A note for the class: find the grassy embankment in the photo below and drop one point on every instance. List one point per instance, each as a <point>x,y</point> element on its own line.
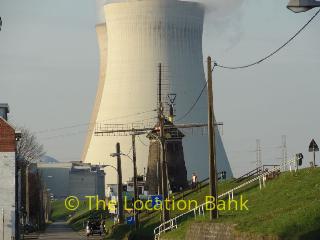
<point>150,220</point>
<point>289,207</point>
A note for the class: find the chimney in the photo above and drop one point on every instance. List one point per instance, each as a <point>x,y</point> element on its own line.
<point>4,110</point>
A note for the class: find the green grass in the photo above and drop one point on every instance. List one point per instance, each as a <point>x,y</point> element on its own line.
<point>150,220</point>
<point>289,207</point>
<point>60,212</point>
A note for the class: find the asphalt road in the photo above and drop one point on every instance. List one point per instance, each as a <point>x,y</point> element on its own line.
<point>61,231</point>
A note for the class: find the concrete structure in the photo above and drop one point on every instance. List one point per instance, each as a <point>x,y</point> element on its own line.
<point>137,36</point>
<point>72,179</point>
<point>7,173</point>
<point>86,181</point>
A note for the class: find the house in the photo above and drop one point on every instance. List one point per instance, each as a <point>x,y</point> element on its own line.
<point>8,196</point>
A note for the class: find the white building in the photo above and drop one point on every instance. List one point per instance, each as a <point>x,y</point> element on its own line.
<point>7,173</point>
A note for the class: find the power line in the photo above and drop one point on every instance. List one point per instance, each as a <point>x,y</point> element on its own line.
<point>90,130</point>
<point>85,124</point>
<point>63,135</point>
<point>194,104</point>
<point>274,52</point>
<point>143,143</point>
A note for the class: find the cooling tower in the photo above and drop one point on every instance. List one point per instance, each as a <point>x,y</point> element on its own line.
<point>140,35</point>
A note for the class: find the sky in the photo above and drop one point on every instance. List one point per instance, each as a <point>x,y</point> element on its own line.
<point>49,75</point>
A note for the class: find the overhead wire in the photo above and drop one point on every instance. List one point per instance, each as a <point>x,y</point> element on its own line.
<point>90,130</point>
<point>272,53</point>
<point>250,65</point>
<point>143,143</point>
<point>194,104</point>
<point>85,124</point>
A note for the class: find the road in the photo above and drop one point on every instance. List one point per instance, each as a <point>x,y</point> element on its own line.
<point>59,231</point>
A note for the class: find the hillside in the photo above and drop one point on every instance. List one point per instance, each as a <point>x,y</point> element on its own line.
<point>48,159</point>
<point>289,207</point>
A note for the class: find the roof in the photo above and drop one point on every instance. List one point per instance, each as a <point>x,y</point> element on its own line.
<point>9,124</point>
<point>170,133</point>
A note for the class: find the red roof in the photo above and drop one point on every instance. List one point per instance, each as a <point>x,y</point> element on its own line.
<point>7,137</point>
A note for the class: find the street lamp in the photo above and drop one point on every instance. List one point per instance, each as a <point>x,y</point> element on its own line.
<point>120,203</point>
<point>104,166</point>
<point>120,199</point>
<point>135,184</point>
<point>298,6</point>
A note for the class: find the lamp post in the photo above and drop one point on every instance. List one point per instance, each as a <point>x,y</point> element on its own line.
<point>135,185</point>
<point>298,6</point>
<point>111,167</point>
<point>120,199</point>
<point>120,210</point>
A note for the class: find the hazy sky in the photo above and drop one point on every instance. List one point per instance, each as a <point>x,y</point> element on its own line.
<point>49,74</point>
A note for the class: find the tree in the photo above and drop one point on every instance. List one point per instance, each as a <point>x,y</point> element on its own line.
<point>28,151</point>
<point>28,148</point>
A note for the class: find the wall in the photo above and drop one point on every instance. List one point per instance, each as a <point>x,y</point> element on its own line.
<point>219,231</point>
<point>7,182</point>
<point>83,183</point>
<point>7,193</point>
<point>64,179</point>
<point>56,179</point>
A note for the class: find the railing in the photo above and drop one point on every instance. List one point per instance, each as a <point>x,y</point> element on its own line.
<point>254,172</point>
<point>203,183</point>
<point>172,223</point>
<point>180,195</point>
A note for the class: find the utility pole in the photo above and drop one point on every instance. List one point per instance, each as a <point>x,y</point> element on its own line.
<point>284,152</point>
<point>212,145</point>
<point>159,171</point>
<point>165,212</point>
<point>120,199</point>
<point>17,203</point>
<point>135,184</point>
<point>27,192</point>
<point>258,155</point>
<point>2,211</point>
<point>159,164</point>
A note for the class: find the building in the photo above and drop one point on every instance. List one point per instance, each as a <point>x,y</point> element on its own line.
<point>8,195</point>
<point>135,37</point>
<point>72,179</point>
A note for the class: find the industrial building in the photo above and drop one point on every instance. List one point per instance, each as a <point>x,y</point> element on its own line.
<point>72,179</point>
<point>134,38</point>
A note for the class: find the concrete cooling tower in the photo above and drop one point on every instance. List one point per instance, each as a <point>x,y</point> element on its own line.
<point>136,37</point>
